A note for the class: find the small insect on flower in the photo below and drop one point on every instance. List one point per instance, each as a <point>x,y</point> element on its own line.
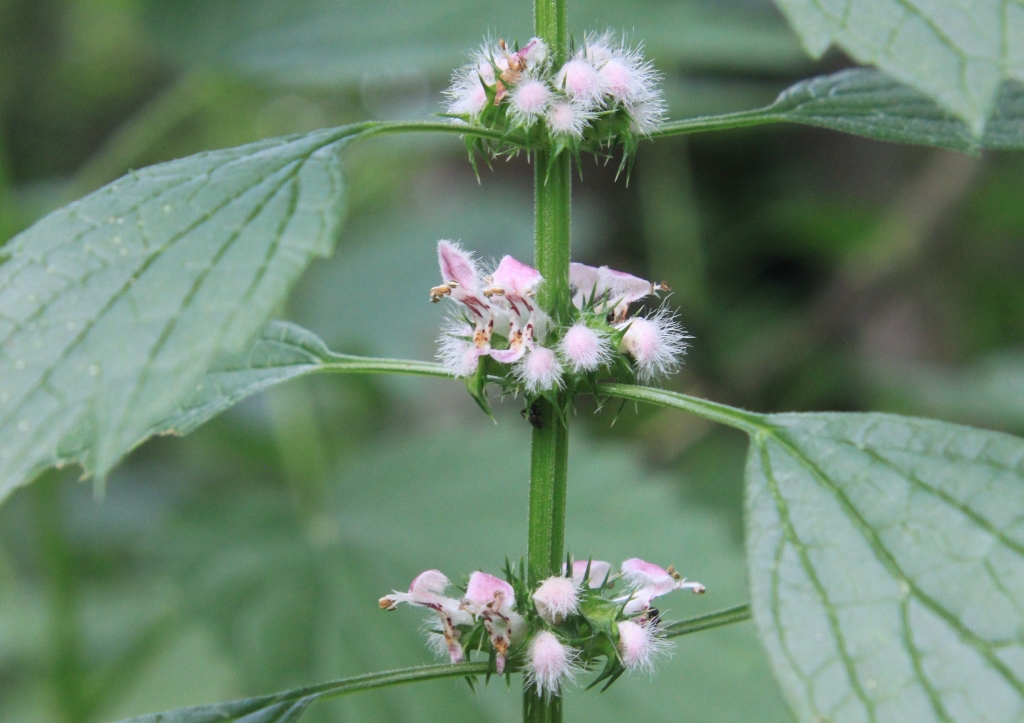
<point>549,663</point>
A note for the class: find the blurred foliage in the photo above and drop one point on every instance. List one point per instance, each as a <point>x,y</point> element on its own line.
<point>816,271</point>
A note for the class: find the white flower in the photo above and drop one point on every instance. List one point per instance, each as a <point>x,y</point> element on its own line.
<point>557,598</point>
<point>626,77</point>
<point>656,343</point>
<point>426,591</point>
<point>548,663</point>
<point>584,349</point>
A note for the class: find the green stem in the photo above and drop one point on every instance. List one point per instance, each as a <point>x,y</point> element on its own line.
<point>749,422</point>
<point>717,619</point>
<point>549,459</point>
<point>66,643</point>
<point>725,121</point>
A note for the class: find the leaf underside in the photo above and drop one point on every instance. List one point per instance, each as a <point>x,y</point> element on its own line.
<point>886,560</point>
<point>958,53</point>
<point>872,104</point>
<point>113,307</point>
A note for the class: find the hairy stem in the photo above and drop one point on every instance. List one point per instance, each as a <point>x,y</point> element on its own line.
<point>549,461</point>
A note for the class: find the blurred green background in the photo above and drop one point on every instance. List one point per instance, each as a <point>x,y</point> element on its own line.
<point>816,271</point>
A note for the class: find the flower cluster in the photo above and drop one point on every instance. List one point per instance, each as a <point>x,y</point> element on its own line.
<point>562,626</point>
<point>499,319</point>
<point>605,93</point>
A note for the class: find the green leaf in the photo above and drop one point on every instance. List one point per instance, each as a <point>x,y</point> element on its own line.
<point>886,561</point>
<point>112,308</point>
<point>958,54</point>
<point>282,352</point>
<point>870,103</point>
<point>330,42</point>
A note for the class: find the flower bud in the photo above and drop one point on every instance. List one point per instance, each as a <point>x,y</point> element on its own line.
<point>556,599</point>
<point>639,645</point>
<point>529,101</point>
<point>580,81</point>
<point>548,662</point>
<point>655,343</point>
<point>583,349</point>
<point>539,370</point>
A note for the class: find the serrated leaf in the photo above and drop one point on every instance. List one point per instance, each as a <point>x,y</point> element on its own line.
<point>112,307</point>
<point>957,53</point>
<point>282,352</point>
<point>886,560</point>
<point>329,42</point>
<point>872,104</point>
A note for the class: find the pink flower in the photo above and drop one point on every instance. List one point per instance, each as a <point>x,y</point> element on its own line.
<point>548,663</point>
<point>461,347</point>
<point>639,645</point>
<point>607,288</point>
<point>649,581</point>
<point>493,599</point>
<point>627,78</point>
<point>513,286</point>
<point>584,349</point>
<point>557,598</point>
<point>528,101</point>
<point>539,370</point>
<point>533,54</point>
<point>655,343</point>
<point>581,82</point>
<point>599,571</point>
<point>426,591</point>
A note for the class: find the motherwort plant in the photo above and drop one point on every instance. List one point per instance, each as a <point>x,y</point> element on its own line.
<point>141,310</point>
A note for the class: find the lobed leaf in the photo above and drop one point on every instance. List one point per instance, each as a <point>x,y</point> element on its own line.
<point>872,104</point>
<point>886,560</point>
<point>957,53</point>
